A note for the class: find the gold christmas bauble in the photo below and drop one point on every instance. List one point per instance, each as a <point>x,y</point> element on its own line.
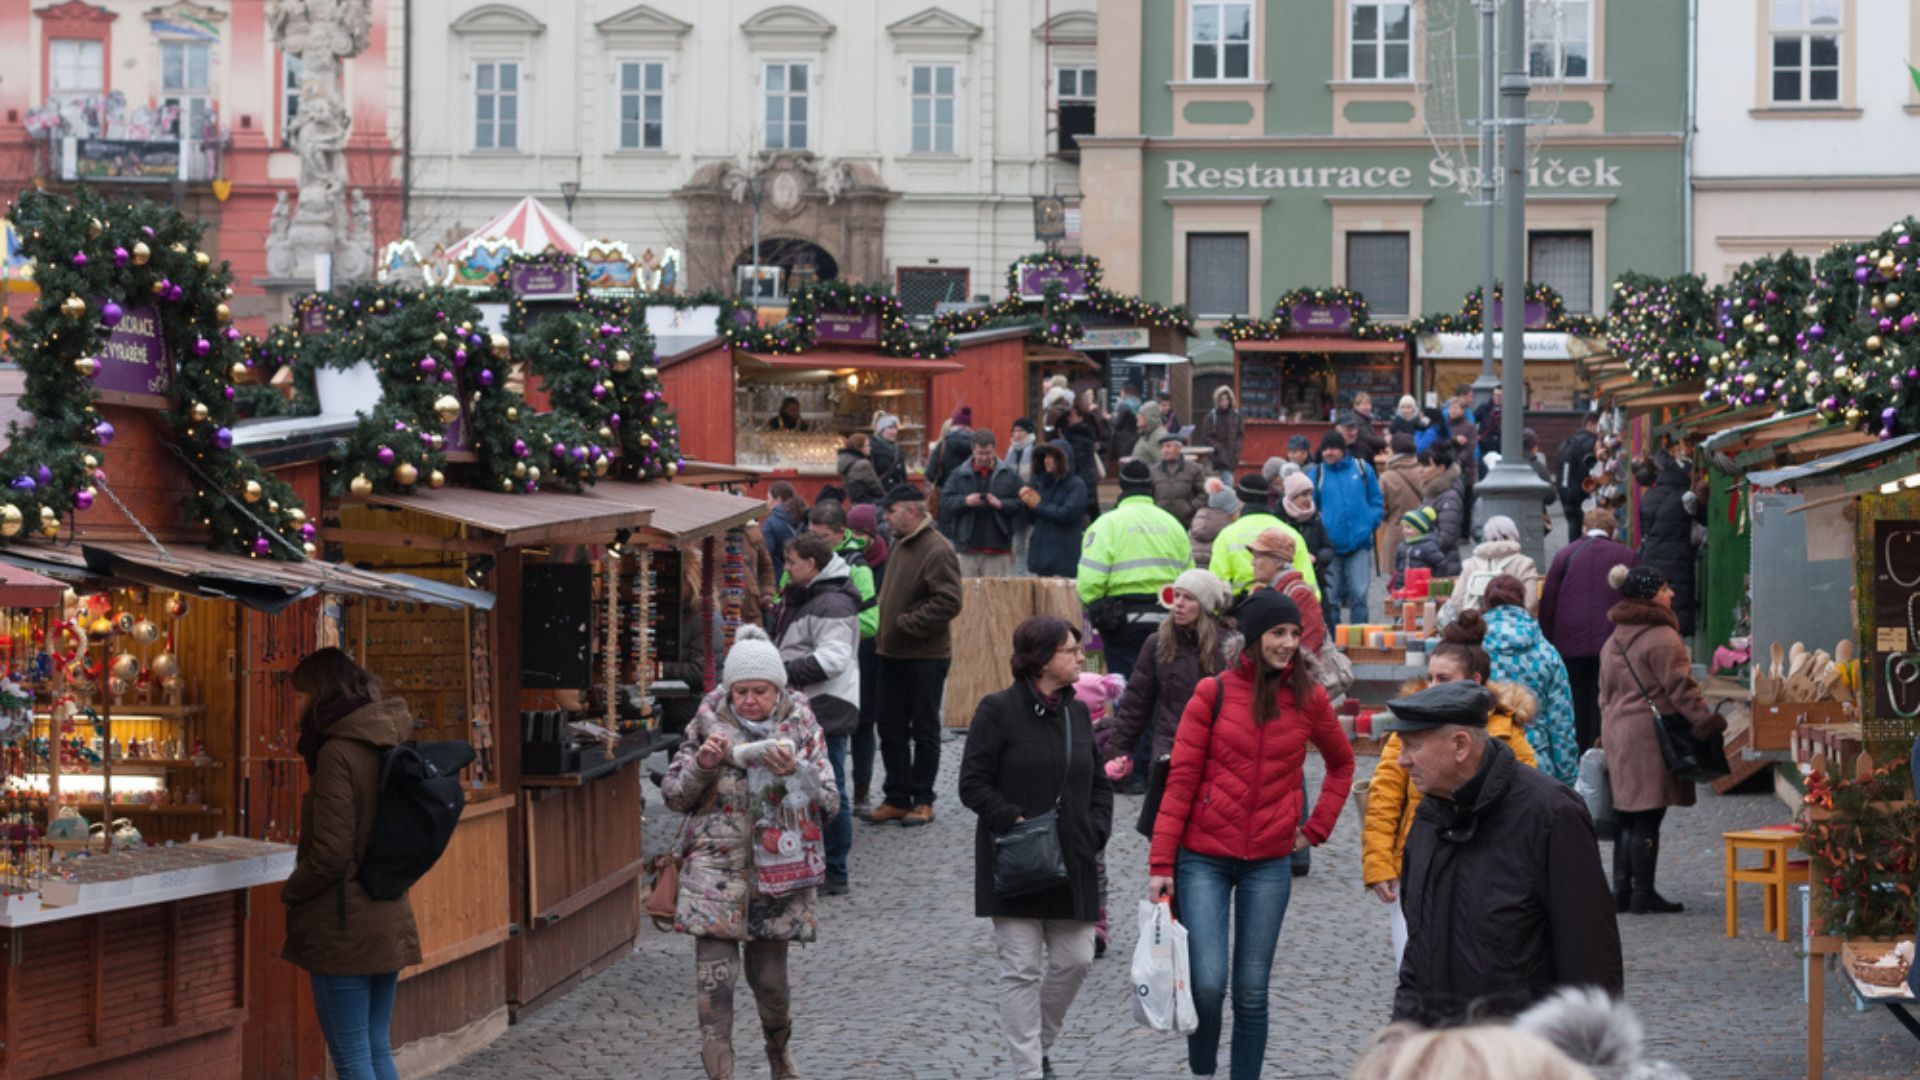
<point>239,372</point>
<point>273,506</point>
<point>1747,320</point>
<point>11,520</point>
<point>86,365</point>
<point>512,414</point>
<point>506,484</point>
<point>297,516</point>
<point>360,486</point>
<point>178,248</point>
<point>73,307</point>
<point>440,340</point>
<point>1873,343</point>
<point>90,461</point>
<point>200,259</point>
<point>501,346</point>
<point>159,287</point>
<point>141,253</point>
<point>649,372</point>
<point>118,687</point>
<point>166,665</point>
<point>622,359</point>
<point>447,408</point>
<point>1773,340</point>
<point>47,515</point>
<point>309,550</point>
<point>198,411</point>
<point>253,491</point>
<point>405,474</point>
<point>100,627</point>
<point>125,666</point>
<point>223,313</point>
<point>533,473</point>
<point>519,469</point>
<point>93,228</point>
<point>436,479</point>
<point>145,632</point>
<point>173,684</point>
<point>605,433</point>
<point>601,464</point>
<point>1886,264</point>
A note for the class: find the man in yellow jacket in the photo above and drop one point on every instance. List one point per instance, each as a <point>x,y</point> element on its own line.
<point>1391,799</point>
<point>1232,562</point>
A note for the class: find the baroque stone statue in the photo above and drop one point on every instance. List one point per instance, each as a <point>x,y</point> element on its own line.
<point>323,34</point>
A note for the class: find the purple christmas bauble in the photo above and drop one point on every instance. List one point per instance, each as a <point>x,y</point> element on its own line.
<point>79,258</point>
<point>120,256</point>
<point>223,438</point>
<point>201,346</point>
<point>1860,275</point>
<point>613,420</point>
<point>1816,331</point>
<point>475,340</point>
<point>532,486</point>
<point>460,357</point>
<point>519,448</point>
<point>43,474</point>
<point>103,432</point>
<point>24,483</point>
<point>384,456</point>
<point>233,333</point>
<point>429,365</point>
<point>228,391</point>
<point>579,453</point>
<point>175,293</point>
<point>559,449</point>
<point>307,530</point>
<point>111,313</point>
<point>486,376</point>
<point>599,390</point>
<point>1906,324</point>
<point>261,546</point>
<point>446,376</point>
<point>147,231</point>
<point>83,500</point>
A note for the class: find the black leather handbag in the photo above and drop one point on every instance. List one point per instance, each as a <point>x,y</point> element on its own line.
<point>1157,772</point>
<point>1028,858</point>
<point>1690,759</point>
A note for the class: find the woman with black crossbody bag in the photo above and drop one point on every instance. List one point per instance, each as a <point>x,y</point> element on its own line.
<point>1032,774</point>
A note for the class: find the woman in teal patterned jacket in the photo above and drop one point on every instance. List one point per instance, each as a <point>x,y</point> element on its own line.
<point>1521,654</point>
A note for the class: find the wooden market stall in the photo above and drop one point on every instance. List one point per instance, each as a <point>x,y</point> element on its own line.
<point>549,892</point>
<point>1295,385</point>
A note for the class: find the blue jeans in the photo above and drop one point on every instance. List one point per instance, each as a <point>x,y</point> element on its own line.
<point>1204,885</point>
<point>1348,578</point>
<point>356,1013</point>
<point>839,833</point>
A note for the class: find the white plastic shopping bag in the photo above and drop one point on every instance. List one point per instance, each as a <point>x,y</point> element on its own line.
<point>1154,985</point>
<point>1594,786</point>
<point>1185,1019</point>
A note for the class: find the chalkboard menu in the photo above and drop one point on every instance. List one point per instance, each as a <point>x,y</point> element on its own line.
<point>1259,391</point>
<point>555,642</point>
<point>1382,379</point>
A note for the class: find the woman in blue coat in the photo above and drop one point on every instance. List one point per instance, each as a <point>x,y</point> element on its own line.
<point>1056,501</point>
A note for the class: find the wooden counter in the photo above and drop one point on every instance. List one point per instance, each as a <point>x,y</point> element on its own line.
<point>583,884</point>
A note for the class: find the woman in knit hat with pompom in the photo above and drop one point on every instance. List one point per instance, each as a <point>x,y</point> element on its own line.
<point>1191,644</point>
<point>1646,650</point>
<point>753,777</point>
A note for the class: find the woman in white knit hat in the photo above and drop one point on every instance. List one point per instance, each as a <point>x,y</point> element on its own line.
<point>752,776</point>
<point>1192,644</point>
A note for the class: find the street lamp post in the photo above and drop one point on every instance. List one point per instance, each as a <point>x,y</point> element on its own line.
<point>569,191</point>
<point>1489,200</point>
<point>1512,487</point>
<point>756,184</point>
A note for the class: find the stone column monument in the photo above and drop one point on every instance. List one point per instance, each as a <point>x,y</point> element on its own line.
<point>323,34</point>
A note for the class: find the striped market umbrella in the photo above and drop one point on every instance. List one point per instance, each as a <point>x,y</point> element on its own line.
<point>531,226</point>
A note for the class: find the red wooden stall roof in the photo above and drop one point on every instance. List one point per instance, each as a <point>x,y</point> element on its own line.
<point>862,360</point>
<point>22,588</point>
<point>1322,344</point>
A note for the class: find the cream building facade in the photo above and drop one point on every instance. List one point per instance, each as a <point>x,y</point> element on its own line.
<point>1808,126</point>
<point>892,139</point>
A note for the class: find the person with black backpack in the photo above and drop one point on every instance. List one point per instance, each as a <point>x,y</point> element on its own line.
<point>351,942</point>
<point>1573,463</point>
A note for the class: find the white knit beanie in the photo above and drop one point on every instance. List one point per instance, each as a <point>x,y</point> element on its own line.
<point>1206,588</point>
<point>753,656</point>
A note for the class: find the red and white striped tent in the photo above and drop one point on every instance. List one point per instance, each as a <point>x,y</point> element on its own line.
<point>531,226</point>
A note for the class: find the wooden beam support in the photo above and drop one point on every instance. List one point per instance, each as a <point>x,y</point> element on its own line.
<point>412,541</point>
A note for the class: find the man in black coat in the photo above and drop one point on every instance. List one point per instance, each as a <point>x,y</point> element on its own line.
<point>1667,515</point>
<point>1502,889</point>
<point>1572,464</point>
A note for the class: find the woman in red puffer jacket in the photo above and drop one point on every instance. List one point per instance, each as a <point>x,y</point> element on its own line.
<point>1229,821</point>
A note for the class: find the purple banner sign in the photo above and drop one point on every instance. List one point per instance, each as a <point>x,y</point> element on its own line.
<point>133,359</point>
<point>1534,313</point>
<point>313,319</point>
<point>846,327</point>
<point>536,281</point>
<point>1035,279</point>
<point>1311,317</point>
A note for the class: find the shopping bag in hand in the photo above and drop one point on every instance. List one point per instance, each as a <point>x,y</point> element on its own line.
<point>1593,785</point>
<point>1185,1019</point>
<point>1154,984</point>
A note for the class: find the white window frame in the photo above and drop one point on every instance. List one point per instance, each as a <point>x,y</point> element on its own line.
<point>1080,73</point>
<point>1246,285</point>
<point>787,95</point>
<point>1378,43</point>
<point>496,95</point>
<point>1804,33</point>
<point>290,68</point>
<point>193,100</point>
<point>1220,46</point>
<point>57,92</point>
<point>1558,42</point>
<point>1575,305</point>
<point>933,97</point>
<point>621,94</point>
<point>1346,240</point>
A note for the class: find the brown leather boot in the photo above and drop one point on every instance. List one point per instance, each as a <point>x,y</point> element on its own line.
<point>779,1057</point>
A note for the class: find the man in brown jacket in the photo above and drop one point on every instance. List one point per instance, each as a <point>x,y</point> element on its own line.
<point>1179,484</point>
<point>919,599</point>
<point>1400,490</point>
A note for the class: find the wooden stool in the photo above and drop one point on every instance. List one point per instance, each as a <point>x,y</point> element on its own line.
<point>1775,873</point>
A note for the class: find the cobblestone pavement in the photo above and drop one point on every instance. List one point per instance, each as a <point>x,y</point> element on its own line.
<point>900,984</point>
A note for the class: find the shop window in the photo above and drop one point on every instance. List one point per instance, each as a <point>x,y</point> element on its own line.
<point>1379,268</point>
<point>77,68</point>
<point>1560,39</point>
<point>496,105</point>
<point>1217,274</point>
<point>291,65</point>
<point>933,108</point>
<point>1563,260</point>
<point>1075,90</point>
<point>788,115</point>
<point>643,105</point>
<point>1380,46</point>
<point>186,87</point>
<point>1220,37</point>
<point>1806,50</point>
<point>923,289</point>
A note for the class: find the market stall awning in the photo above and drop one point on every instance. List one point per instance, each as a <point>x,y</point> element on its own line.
<point>22,588</point>
<point>680,512</point>
<point>1538,345</point>
<point>1821,466</point>
<point>519,520</point>
<point>263,584</point>
<point>530,225</point>
<point>1321,345</point>
<point>829,359</point>
<point>1053,354</point>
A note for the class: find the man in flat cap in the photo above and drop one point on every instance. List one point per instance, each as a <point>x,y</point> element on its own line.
<point>1502,888</point>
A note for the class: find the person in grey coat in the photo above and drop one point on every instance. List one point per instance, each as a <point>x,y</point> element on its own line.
<point>1179,485</point>
<point>817,630</point>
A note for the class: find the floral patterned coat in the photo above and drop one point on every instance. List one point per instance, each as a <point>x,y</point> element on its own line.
<point>718,894</point>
